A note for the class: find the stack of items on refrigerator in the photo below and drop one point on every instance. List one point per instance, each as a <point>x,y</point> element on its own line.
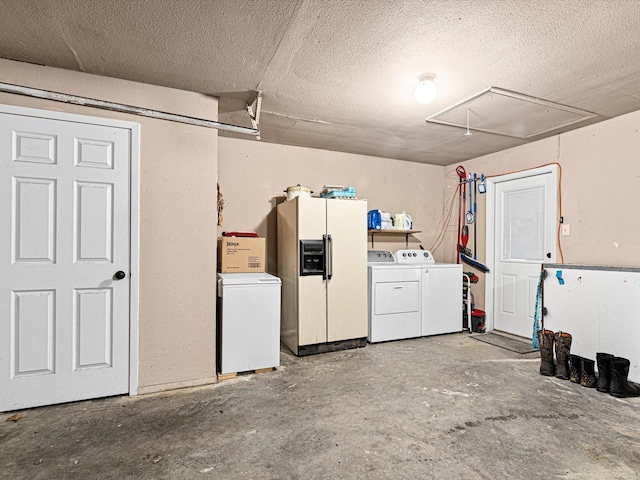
<point>338,191</point>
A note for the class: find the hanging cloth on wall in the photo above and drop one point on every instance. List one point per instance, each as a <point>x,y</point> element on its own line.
<point>220,207</point>
<point>537,315</point>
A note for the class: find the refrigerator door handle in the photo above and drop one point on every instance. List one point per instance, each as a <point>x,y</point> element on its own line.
<point>330,258</point>
<point>324,256</point>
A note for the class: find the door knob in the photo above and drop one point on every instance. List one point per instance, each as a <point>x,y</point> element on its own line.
<point>119,275</point>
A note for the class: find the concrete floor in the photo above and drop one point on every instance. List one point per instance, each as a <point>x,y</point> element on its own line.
<point>447,407</point>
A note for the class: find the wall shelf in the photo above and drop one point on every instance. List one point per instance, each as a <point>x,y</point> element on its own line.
<point>390,232</point>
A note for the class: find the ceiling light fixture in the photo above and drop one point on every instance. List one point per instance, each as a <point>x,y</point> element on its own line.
<point>426,90</point>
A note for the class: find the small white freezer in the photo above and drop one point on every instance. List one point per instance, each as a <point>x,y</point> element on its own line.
<point>248,322</point>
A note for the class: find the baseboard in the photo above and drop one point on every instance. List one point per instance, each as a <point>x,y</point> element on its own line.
<point>175,385</point>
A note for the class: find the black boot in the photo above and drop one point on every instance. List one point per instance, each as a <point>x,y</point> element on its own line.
<point>588,375</point>
<point>563,346</point>
<point>545,339</point>
<point>619,386</point>
<point>575,368</point>
<point>604,371</point>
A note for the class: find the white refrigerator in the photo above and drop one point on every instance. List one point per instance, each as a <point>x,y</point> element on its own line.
<point>322,261</point>
<point>248,322</point>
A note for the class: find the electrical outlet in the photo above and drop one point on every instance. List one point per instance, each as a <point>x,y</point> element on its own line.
<point>566,231</point>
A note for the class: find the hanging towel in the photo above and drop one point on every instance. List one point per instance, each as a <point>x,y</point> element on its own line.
<point>537,316</point>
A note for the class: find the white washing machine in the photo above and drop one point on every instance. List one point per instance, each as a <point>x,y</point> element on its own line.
<point>394,299</point>
<point>441,291</point>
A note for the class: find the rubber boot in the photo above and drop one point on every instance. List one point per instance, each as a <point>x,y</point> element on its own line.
<point>545,340</point>
<point>619,386</point>
<point>588,375</point>
<point>575,368</point>
<point>563,346</point>
<point>604,371</point>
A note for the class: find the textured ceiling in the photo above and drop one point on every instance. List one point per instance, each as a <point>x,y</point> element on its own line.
<point>339,74</point>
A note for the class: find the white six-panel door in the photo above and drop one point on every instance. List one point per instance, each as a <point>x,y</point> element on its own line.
<point>64,218</point>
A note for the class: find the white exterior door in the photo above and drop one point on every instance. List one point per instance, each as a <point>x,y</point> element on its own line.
<point>524,237</point>
<point>64,217</point>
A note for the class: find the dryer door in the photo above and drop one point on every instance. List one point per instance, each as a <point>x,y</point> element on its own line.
<point>395,304</point>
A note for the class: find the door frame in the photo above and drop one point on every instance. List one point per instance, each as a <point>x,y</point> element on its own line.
<point>134,216</point>
<point>490,279</point>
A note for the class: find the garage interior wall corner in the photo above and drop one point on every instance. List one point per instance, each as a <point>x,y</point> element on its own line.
<point>178,175</point>
<point>599,177</point>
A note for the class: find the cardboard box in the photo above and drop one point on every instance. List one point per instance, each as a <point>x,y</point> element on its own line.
<point>241,254</point>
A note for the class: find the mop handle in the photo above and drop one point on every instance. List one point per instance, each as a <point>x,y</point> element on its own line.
<point>475,179</point>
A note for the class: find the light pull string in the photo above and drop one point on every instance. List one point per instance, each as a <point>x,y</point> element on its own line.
<point>468,132</point>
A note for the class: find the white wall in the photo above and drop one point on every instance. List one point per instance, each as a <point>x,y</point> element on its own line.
<point>253,176</point>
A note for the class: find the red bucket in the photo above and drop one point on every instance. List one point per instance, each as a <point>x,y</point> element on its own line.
<point>477,320</point>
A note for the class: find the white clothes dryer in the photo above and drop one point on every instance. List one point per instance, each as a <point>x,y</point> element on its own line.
<point>441,291</point>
